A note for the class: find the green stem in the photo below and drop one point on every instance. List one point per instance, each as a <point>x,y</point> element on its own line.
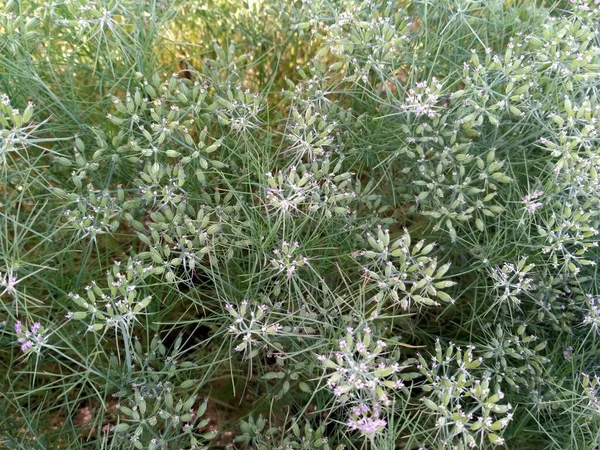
<point>128,359</point>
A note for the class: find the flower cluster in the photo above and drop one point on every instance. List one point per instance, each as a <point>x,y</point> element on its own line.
<point>162,123</point>
<point>312,188</point>
<point>253,325</point>
<point>285,260</point>
<point>118,304</point>
<point>452,181</point>
<point>467,410</point>
<point>292,434</point>
<point>590,385</point>
<point>175,412</point>
<point>423,99</point>
<point>8,281</point>
<point>162,186</point>
<point>240,110</point>
<point>367,39</point>
<point>556,303</point>
<point>592,318</point>
<point>179,239</point>
<point>287,192</point>
<point>31,340</point>
<point>512,281</point>
<point>17,130</point>
<point>403,273</point>
<point>363,369</point>
<point>170,412</point>
<point>587,8</point>
<point>531,205</point>
<point>568,237</point>
<point>366,419</point>
<point>94,214</point>
<point>309,135</point>
<point>516,358</point>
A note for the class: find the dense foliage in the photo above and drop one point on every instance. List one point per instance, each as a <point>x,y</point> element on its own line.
<point>285,224</point>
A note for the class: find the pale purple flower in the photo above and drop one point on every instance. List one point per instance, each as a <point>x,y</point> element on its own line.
<point>29,338</point>
<point>529,200</point>
<point>8,281</point>
<point>366,420</point>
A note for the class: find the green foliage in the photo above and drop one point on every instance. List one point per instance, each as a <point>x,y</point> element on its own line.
<point>299,224</point>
